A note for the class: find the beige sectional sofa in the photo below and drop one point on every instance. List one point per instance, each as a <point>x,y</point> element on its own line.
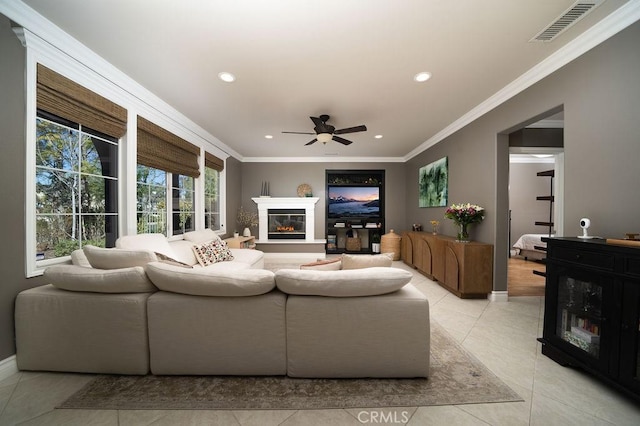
<point>152,307</point>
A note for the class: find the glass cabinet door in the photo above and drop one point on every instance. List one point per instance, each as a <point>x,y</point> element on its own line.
<point>579,315</point>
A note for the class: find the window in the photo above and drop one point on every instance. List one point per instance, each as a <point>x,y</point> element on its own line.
<point>151,200</point>
<point>182,189</point>
<point>212,218</point>
<point>76,187</point>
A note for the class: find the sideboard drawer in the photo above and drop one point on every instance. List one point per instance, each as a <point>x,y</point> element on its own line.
<point>586,258</point>
<point>632,266</point>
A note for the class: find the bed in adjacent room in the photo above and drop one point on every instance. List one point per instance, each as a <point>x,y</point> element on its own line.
<point>527,243</point>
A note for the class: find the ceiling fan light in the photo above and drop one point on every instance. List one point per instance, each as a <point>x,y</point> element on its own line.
<point>324,137</point>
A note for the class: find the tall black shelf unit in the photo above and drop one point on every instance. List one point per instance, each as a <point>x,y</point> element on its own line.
<point>366,225</point>
<point>549,223</point>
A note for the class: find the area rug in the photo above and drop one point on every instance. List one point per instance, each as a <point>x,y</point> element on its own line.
<point>456,378</point>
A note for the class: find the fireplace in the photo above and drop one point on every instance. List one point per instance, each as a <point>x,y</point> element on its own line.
<point>286,224</point>
<point>295,207</point>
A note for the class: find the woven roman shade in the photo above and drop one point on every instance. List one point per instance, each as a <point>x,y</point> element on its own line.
<point>161,149</point>
<point>60,96</point>
<point>213,162</point>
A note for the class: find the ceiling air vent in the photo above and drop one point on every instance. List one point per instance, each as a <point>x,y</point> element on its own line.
<point>569,17</point>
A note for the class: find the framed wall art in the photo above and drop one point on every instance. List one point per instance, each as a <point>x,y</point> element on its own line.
<point>433,180</point>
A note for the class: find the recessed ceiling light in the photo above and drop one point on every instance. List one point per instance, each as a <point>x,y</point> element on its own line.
<point>268,136</point>
<point>227,77</point>
<point>422,76</point>
<point>378,136</point>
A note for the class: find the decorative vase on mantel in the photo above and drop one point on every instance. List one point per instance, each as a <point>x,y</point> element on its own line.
<point>463,233</point>
<point>246,232</point>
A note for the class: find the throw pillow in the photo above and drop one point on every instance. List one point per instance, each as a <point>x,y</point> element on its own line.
<point>324,265</point>
<point>211,252</point>
<point>113,258</point>
<point>359,261</point>
<point>171,261</point>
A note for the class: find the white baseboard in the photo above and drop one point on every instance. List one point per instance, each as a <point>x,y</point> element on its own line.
<point>499,296</point>
<point>8,367</point>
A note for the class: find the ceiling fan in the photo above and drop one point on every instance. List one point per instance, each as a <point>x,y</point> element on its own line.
<point>325,132</point>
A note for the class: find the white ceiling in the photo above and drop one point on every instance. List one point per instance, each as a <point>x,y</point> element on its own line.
<point>352,59</point>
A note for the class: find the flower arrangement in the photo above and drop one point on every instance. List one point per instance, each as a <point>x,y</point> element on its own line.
<point>463,215</point>
<point>247,219</point>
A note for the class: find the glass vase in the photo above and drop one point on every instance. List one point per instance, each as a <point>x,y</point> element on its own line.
<point>463,233</point>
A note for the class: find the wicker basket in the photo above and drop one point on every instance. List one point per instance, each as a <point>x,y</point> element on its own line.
<point>353,244</point>
<point>390,243</point>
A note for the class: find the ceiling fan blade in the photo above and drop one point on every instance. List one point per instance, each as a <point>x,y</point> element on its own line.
<point>312,142</point>
<point>362,128</point>
<point>300,133</point>
<point>341,140</point>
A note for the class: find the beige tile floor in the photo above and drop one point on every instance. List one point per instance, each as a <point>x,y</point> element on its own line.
<point>500,334</point>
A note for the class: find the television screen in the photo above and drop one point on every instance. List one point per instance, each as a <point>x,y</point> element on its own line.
<point>354,201</point>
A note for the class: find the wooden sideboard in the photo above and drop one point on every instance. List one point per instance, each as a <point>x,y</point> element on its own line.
<point>465,269</point>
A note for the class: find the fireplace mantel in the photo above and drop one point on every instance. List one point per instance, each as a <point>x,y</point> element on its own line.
<point>266,203</point>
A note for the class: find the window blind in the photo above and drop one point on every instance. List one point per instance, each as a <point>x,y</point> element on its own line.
<point>161,149</point>
<point>213,162</point>
<point>60,96</point>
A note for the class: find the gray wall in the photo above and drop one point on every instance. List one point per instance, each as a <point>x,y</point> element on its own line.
<point>600,95</point>
<point>524,187</point>
<point>284,179</point>
<point>12,176</point>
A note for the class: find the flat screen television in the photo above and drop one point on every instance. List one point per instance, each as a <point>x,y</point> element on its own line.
<point>353,202</point>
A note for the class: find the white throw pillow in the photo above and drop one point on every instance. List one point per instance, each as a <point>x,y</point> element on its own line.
<point>207,282</point>
<point>113,258</point>
<point>78,278</point>
<point>201,236</point>
<point>349,283</point>
<point>359,261</point>
<point>154,242</point>
<point>211,252</point>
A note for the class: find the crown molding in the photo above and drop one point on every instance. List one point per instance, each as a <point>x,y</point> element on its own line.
<point>52,40</point>
<point>617,21</point>
<point>327,159</point>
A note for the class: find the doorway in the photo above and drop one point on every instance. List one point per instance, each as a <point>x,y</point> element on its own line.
<point>535,191</point>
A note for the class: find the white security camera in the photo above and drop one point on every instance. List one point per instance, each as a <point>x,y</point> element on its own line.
<point>585,223</point>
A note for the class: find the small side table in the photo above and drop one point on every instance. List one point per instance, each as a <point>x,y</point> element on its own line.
<point>241,242</point>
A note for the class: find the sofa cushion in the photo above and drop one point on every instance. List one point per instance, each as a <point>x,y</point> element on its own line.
<point>212,252</point>
<point>79,278</point>
<point>358,261</point>
<point>201,236</point>
<point>344,283</point>
<point>183,251</point>
<point>210,282</point>
<point>113,258</point>
<point>249,257</point>
<point>324,265</point>
<point>79,258</point>
<point>155,242</point>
